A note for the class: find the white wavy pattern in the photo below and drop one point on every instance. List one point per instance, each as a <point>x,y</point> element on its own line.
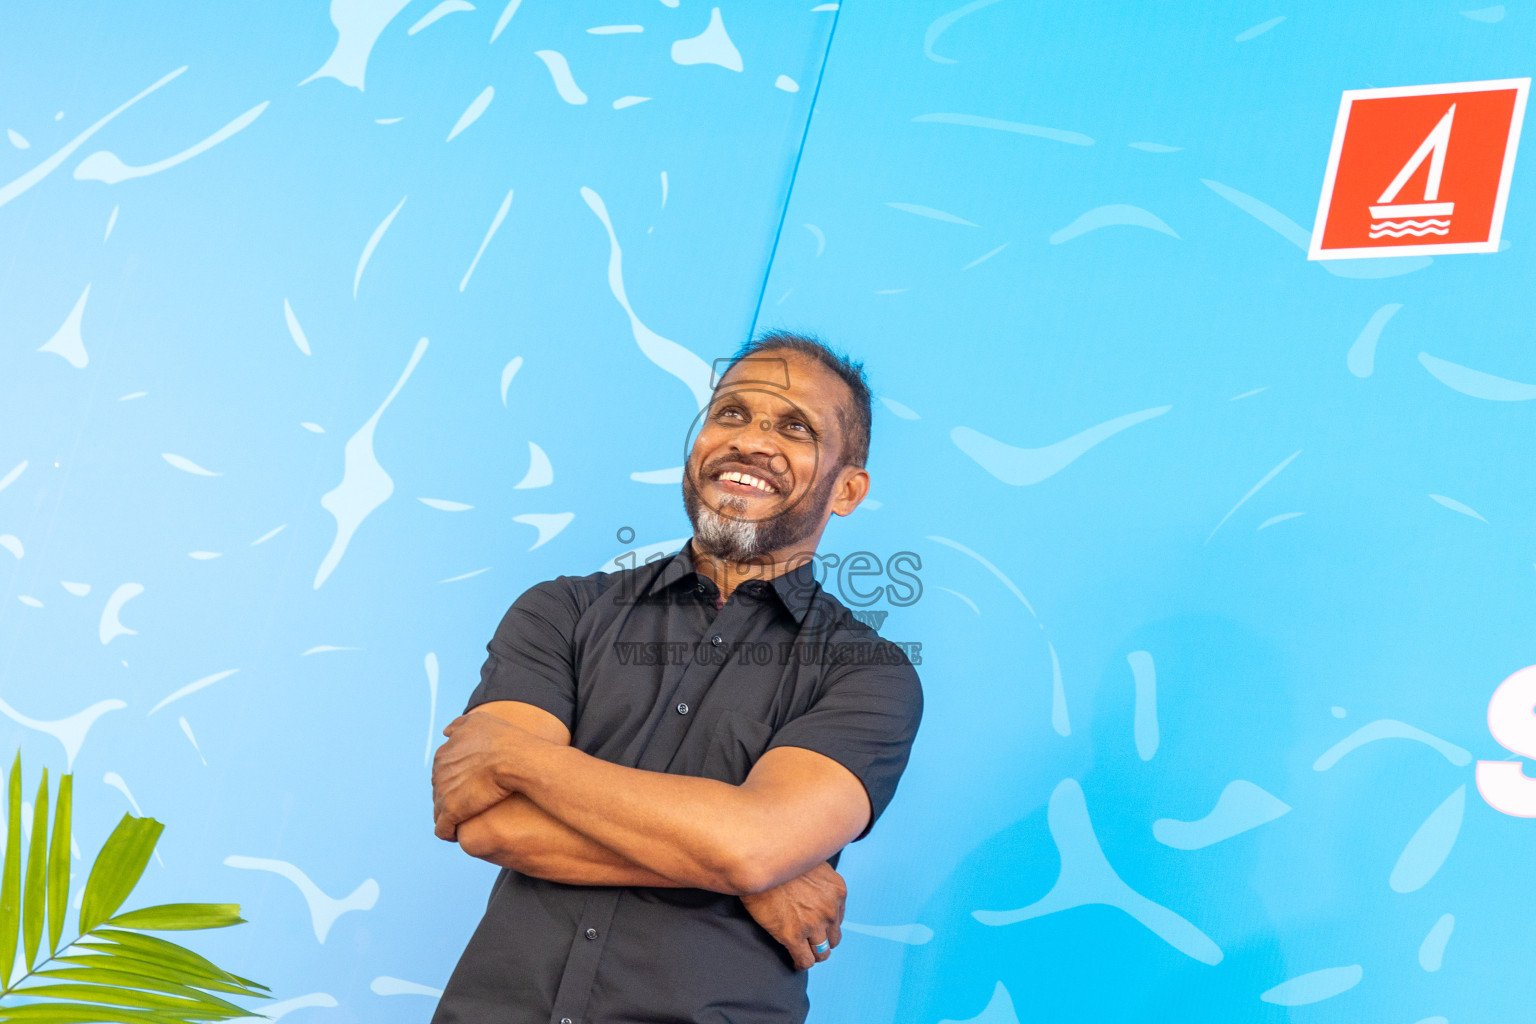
<point>664,352</point>
<point>364,483</point>
<point>105,166</point>
<point>323,909</point>
<point>1399,228</point>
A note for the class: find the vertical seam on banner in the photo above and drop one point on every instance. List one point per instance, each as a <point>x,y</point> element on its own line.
<point>794,172</point>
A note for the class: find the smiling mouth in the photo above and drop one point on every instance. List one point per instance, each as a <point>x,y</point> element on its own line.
<point>736,482</point>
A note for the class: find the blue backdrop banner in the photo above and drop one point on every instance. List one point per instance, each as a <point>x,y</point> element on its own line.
<point>329,332</point>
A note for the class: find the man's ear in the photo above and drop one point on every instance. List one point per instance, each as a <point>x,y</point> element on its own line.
<point>851,488</point>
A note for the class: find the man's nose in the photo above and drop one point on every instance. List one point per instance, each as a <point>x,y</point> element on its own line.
<point>756,436</point>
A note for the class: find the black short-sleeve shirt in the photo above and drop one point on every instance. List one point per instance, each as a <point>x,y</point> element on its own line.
<point>646,673</point>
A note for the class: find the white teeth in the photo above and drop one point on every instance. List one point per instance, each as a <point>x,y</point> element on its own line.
<point>744,478</point>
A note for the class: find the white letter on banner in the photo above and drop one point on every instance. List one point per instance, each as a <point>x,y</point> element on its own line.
<point>1512,721</point>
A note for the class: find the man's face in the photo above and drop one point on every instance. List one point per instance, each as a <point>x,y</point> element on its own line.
<point>761,472</point>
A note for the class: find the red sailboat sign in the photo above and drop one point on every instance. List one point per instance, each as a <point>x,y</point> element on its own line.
<point>1422,169</point>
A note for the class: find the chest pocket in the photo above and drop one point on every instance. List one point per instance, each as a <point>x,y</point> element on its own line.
<point>734,747</point>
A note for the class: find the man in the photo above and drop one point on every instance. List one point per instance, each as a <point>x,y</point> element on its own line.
<point>667,803</point>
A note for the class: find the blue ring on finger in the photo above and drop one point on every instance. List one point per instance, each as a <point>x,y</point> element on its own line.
<point>822,947</point>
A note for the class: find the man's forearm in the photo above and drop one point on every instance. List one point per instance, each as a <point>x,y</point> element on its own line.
<point>796,807</point>
<point>520,835</point>
<point>701,832</point>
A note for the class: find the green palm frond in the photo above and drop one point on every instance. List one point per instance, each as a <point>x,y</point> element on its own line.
<point>10,876</point>
<point>58,864</point>
<point>111,973</point>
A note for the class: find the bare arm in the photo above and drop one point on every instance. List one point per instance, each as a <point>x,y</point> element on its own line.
<point>515,833</point>
<point>795,809</point>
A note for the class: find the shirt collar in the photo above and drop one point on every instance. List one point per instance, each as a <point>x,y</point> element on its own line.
<point>796,588</point>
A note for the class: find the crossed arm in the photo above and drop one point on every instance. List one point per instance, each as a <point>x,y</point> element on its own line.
<point>509,787</point>
<point>516,833</point>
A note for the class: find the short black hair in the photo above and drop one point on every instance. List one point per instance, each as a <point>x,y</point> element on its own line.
<point>853,416</point>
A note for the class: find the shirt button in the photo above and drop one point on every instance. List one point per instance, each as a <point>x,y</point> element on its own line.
<point>565,1020</point>
<point>717,640</point>
<point>682,709</point>
<point>591,933</point>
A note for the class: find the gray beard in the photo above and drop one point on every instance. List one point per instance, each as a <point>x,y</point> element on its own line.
<point>727,534</point>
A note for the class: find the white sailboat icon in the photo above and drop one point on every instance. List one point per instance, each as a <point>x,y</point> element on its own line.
<point>1413,214</point>
<point>1430,217</point>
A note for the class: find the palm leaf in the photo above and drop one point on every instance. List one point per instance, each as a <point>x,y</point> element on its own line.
<point>58,864</point>
<point>152,950</point>
<point>10,876</point>
<point>180,917</point>
<point>117,869</point>
<point>204,1008</point>
<point>82,1013</point>
<point>35,889</point>
<point>110,975</point>
<point>155,974</point>
<point>139,963</point>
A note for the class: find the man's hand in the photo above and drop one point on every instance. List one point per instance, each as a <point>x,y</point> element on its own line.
<point>466,771</point>
<point>802,913</point>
